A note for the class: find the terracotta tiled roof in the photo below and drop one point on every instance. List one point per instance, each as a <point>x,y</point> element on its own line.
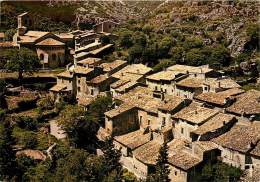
<point>139,69</point>
<point>148,153</point>
<point>190,69</point>
<point>85,100</point>
<point>90,61</point>
<point>31,36</point>
<point>214,123</point>
<point>112,65</point>
<point>191,82</point>
<point>172,103</point>
<point>50,42</point>
<point>134,139</point>
<point>163,75</point>
<point>88,47</point>
<point>66,74</point>
<point>99,50</point>
<point>99,79</point>
<point>240,137</point>
<point>58,87</point>
<point>225,83</point>
<point>247,103</point>
<point>196,114</point>
<point>219,98</point>
<point>256,150</point>
<point>119,110</point>
<point>80,70</point>
<point>183,160</point>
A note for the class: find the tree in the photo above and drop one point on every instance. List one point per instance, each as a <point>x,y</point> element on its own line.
<point>79,166</point>
<point>111,159</point>
<point>98,107</point>
<point>8,165</point>
<point>9,34</point>
<point>139,38</point>
<point>104,39</point>
<point>164,46</point>
<point>81,127</point>
<point>220,54</point>
<point>164,63</point>
<point>3,103</point>
<point>194,57</point>
<point>162,168</point>
<point>22,60</point>
<point>220,172</point>
<point>125,38</point>
<point>135,54</point>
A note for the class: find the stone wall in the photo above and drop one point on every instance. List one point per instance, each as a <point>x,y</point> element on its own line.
<point>52,57</point>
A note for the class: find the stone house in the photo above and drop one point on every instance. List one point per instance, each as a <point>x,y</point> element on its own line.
<point>255,157</point>
<point>99,84</point>
<point>98,52</point>
<point>198,72</point>
<point>84,38</point>
<point>216,126</point>
<point>190,118</point>
<point>193,86</point>
<point>89,47</point>
<point>89,62</point>
<point>168,107</point>
<point>105,26</point>
<point>189,87</point>
<point>127,144</point>
<point>185,163</point>
<point>220,99</point>
<point>247,105</point>
<point>236,144</point>
<point>163,81</point>
<point>65,84</point>
<point>128,78</point>
<point>219,84</point>
<point>50,48</point>
<point>121,120</point>
<point>113,67</point>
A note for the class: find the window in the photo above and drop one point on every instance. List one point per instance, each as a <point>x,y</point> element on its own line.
<point>92,92</point>
<point>165,91</point>
<point>155,88</point>
<point>78,89</point>
<point>54,57</point>
<point>149,122</point>
<point>206,88</point>
<point>140,119</point>
<point>195,75</point>
<point>163,121</point>
<point>175,173</point>
<point>41,56</point>
<point>79,81</point>
<point>182,130</point>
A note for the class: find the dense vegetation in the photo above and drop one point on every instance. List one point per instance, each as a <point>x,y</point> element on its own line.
<point>71,160</point>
